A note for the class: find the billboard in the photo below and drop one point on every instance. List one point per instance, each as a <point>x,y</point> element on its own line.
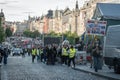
<point>94,27</point>
<point>52,40</point>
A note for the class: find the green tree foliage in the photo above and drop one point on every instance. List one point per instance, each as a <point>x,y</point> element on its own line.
<point>35,34</point>
<point>70,37</point>
<point>53,34</point>
<point>2,34</point>
<point>27,33</point>
<point>8,32</point>
<point>67,35</point>
<point>31,34</point>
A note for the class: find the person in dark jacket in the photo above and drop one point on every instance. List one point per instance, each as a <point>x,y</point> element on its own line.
<point>49,55</point>
<point>5,55</point>
<point>54,53</point>
<point>1,55</point>
<point>96,52</point>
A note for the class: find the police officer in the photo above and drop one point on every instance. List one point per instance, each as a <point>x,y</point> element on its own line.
<point>64,55</point>
<point>33,54</point>
<point>72,53</point>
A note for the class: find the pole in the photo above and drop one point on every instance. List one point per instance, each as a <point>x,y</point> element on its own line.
<point>43,39</point>
<point>76,24</point>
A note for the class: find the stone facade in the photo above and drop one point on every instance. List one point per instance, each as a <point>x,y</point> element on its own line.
<point>87,11</point>
<point>61,21</point>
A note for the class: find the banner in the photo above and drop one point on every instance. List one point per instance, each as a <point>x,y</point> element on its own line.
<point>96,27</point>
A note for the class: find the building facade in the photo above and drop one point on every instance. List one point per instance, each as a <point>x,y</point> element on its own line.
<point>61,21</point>
<point>87,11</point>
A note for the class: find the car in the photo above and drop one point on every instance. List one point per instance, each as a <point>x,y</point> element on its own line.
<point>16,51</point>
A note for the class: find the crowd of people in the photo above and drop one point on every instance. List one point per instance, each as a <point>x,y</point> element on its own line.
<point>51,54</point>
<point>64,54</point>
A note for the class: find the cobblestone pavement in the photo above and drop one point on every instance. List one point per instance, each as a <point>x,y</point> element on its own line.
<point>19,68</point>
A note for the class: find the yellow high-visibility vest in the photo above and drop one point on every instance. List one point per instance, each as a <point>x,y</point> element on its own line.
<point>33,51</point>
<point>64,52</point>
<point>41,51</point>
<point>72,53</point>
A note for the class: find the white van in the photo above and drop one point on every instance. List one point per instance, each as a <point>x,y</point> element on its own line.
<point>112,48</point>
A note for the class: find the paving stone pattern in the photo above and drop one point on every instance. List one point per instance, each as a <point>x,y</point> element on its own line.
<point>19,68</point>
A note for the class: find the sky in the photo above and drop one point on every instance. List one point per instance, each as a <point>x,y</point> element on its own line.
<point>18,10</point>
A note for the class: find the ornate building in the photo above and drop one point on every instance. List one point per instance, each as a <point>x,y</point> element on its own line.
<point>87,11</point>
<point>71,20</point>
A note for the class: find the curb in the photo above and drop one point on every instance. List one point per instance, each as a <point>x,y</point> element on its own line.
<point>0,72</point>
<point>97,74</point>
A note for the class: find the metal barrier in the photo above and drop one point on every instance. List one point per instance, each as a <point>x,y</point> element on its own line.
<point>81,57</point>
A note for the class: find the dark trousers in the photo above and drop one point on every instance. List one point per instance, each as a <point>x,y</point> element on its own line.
<point>53,59</point>
<point>0,59</point>
<point>33,57</point>
<point>41,57</point>
<point>45,57</point>
<point>73,61</point>
<point>38,58</point>
<point>5,59</point>
<point>96,63</point>
<point>64,59</point>
<point>49,60</point>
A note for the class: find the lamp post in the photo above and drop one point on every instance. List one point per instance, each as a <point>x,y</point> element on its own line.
<point>76,16</point>
<point>43,32</point>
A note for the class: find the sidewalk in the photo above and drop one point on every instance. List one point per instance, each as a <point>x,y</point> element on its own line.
<point>105,72</point>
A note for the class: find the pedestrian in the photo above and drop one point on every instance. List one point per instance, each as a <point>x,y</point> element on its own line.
<point>38,54</point>
<point>64,57</point>
<point>59,54</point>
<point>49,55</point>
<point>89,51</point>
<point>1,55</point>
<point>41,54</point>
<point>33,54</point>
<point>5,55</point>
<point>54,53</point>
<point>96,52</point>
<point>23,52</point>
<point>72,53</point>
<point>45,53</point>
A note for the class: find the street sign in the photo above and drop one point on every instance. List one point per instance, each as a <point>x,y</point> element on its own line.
<point>94,27</point>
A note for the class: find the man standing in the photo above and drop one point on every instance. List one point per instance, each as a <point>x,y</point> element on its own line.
<point>64,56</point>
<point>38,54</point>
<point>72,53</point>
<point>96,56</point>
<point>5,55</point>
<point>33,54</point>
<point>1,55</point>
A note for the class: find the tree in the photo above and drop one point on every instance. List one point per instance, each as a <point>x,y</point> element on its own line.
<point>36,34</point>
<point>29,33</point>
<point>70,37</point>
<point>8,32</point>
<point>53,34</point>
<point>2,34</point>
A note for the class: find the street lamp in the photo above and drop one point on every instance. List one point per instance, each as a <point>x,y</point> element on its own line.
<point>43,32</point>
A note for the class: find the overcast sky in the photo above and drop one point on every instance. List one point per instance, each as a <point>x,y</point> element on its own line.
<point>18,10</point>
